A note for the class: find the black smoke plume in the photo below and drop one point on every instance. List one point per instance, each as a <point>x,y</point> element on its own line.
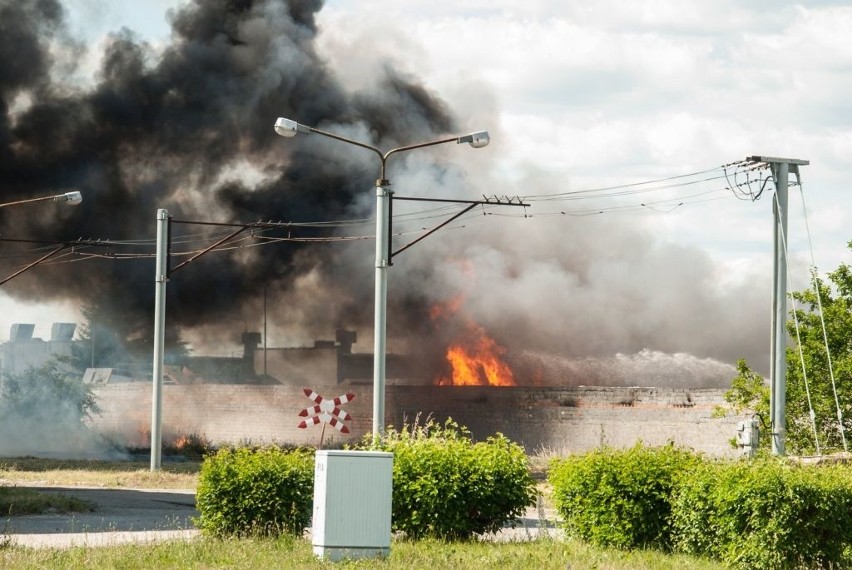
<point>188,127</point>
<point>160,128</point>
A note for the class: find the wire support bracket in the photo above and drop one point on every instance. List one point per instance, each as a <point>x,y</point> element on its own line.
<point>471,204</point>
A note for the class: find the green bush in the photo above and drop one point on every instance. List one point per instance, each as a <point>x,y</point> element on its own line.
<point>46,410</point>
<point>619,498</point>
<point>766,514</point>
<point>446,486</point>
<point>247,491</point>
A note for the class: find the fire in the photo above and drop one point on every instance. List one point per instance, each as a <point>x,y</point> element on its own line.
<point>182,441</point>
<point>475,358</point>
<point>477,361</point>
<point>443,311</point>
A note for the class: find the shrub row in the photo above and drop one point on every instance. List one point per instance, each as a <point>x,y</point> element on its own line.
<point>766,514</point>
<point>255,491</point>
<point>619,498</point>
<point>445,485</point>
<point>760,514</point>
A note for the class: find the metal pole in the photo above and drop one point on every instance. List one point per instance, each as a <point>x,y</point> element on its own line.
<point>778,400</point>
<point>778,349</point>
<point>160,279</point>
<point>265,289</point>
<point>380,334</point>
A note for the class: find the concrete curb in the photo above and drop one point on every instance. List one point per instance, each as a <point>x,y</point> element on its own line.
<point>99,539</point>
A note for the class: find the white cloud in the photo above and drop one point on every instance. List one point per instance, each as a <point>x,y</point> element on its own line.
<point>590,94</point>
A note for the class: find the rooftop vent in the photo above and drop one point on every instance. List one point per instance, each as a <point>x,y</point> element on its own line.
<point>62,331</point>
<point>21,332</point>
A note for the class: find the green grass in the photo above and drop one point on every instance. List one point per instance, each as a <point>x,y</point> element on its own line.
<point>23,501</point>
<point>296,553</point>
<point>80,472</point>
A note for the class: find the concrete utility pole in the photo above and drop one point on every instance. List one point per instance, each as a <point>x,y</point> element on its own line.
<point>161,277</point>
<point>781,169</point>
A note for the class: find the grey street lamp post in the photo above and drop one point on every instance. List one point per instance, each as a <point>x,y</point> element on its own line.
<point>288,128</point>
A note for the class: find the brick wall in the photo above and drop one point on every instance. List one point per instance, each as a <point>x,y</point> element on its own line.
<point>558,419</point>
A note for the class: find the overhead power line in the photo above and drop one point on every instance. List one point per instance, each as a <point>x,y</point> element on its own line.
<point>745,180</point>
<point>738,179</point>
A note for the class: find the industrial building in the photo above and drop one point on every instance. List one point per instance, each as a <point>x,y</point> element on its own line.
<point>23,351</point>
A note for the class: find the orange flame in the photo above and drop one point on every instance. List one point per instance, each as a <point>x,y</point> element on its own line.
<point>443,311</point>
<point>476,361</point>
<point>182,441</point>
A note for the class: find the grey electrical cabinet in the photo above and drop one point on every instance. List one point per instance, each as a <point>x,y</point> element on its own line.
<point>352,504</point>
<point>748,437</point>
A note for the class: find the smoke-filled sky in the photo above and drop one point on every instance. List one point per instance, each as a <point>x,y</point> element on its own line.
<point>149,109</point>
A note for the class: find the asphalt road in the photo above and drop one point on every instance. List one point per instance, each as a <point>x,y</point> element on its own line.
<point>119,515</point>
<point>144,515</point>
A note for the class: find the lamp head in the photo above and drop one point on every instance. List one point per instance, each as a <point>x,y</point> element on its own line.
<point>286,127</point>
<point>478,139</point>
<point>73,198</point>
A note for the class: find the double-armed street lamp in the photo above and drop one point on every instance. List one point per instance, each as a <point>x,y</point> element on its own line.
<point>72,198</point>
<point>288,128</point>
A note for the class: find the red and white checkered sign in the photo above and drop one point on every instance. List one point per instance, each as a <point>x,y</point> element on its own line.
<point>326,411</point>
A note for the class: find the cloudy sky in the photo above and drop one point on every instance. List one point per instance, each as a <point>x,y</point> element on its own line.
<point>587,95</point>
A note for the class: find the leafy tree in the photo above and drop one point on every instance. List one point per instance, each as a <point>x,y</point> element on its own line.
<point>109,339</point>
<point>750,392</point>
<point>45,409</point>
<point>837,313</point>
<point>100,344</point>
